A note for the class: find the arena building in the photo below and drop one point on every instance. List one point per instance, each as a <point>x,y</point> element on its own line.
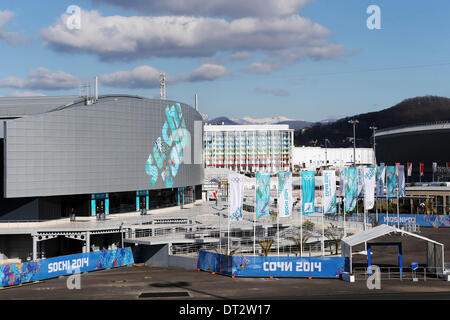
<point>315,157</point>
<point>66,156</point>
<point>422,143</point>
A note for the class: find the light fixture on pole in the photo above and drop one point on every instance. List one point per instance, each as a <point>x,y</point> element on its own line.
<point>354,122</point>
<point>373,128</point>
<point>326,158</point>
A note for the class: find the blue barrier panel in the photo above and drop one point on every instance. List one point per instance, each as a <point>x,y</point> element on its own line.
<point>249,266</point>
<point>14,274</point>
<point>423,220</point>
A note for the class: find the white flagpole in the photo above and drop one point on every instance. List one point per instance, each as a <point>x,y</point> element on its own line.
<point>254,226</point>
<point>301,217</point>
<point>345,229</point>
<point>398,209</point>
<point>278,219</point>
<point>229,217</point>
<point>323,212</point>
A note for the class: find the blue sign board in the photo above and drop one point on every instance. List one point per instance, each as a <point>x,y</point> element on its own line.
<point>250,266</point>
<point>15,274</point>
<point>423,220</point>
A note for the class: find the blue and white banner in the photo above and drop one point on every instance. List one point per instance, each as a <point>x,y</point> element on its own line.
<point>308,192</point>
<point>351,189</point>
<point>369,187</point>
<point>236,196</point>
<point>262,194</point>
<point>342,182</point>
<point>15,274</point>
<point>401,181</point>
<point>284,194</point>
<point>360,180</point>
<point>381,178</point>
<point>250,266</point>
<point>329,191</point>
<point>391,181</point>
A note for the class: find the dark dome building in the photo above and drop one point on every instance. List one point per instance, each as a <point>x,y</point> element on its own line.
<point>423,143</point>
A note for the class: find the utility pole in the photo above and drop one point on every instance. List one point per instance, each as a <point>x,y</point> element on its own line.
<point>374,144</point>
<point>354,122</point>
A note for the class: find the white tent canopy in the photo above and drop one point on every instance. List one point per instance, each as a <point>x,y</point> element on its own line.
<point>435,257</point>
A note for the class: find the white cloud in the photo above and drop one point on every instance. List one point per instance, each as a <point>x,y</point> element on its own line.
<point>147,77</point>
<point>208,72</point>
<point>217,8</point>
<point>276,92</point>
<point>142,77</point>
<point>26,94</point>
<point>131,38</point>
<point>260,67</point>
<point>12,38</point>
<point>241,55</point>
<point>42,79</point>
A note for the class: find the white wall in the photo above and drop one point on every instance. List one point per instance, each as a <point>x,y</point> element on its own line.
<point>313,157</point>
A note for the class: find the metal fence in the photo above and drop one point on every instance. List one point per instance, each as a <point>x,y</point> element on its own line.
<point>394,273</point>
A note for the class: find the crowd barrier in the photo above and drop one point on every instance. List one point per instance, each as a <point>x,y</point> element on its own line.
<point>15,274</point>
<point>257,266</point>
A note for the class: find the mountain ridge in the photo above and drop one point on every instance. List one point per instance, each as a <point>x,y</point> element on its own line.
<point>407,112</point>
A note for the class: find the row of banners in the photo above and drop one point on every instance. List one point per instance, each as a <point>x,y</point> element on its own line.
<point>421,168</point>
<point>355,182</point>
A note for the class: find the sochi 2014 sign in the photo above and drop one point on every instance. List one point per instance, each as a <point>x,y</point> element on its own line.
<point>250,266</point>
<point>15,274</point>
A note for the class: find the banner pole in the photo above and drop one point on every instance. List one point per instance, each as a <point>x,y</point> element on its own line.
<point>345,228</point>
<point>398,209</point>
<point>254,226</point>
<point>301,217</point>
<point>278,218</point>
<point>229,217</point>
<point>323,213</point>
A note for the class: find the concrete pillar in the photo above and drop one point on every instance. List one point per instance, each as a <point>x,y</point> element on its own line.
<point>34,248</point>
<point>88,241</point>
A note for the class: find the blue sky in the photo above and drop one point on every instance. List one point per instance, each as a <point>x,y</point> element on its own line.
<point>309,60</point>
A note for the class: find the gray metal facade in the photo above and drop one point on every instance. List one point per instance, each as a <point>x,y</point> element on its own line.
<point>87,149</point>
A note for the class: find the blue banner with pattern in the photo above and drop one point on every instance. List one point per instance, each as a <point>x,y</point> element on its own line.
<point>262,194</point>
<point>308,192</point>
<point>251,266</point>
<point>19,273</point>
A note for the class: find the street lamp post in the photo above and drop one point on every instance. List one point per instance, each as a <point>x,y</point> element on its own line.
<point>374,145</point>
<point>326,158</point>
<point>354,122</point>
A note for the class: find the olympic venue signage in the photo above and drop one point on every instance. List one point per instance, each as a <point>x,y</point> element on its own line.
<point>15,274</point>
<point>257,266</point>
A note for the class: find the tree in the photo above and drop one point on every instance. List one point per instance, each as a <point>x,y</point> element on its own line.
<point>265,246</point>
<point>335,234</point>
<point>300,242</point>
<point>225,251</point>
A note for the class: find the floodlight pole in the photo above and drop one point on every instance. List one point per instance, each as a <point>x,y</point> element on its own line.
<point>374,145</point>
<point>326,155</point>
<point>354,122</point>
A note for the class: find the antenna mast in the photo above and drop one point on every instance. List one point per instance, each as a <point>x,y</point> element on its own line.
<point>162,85</point>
